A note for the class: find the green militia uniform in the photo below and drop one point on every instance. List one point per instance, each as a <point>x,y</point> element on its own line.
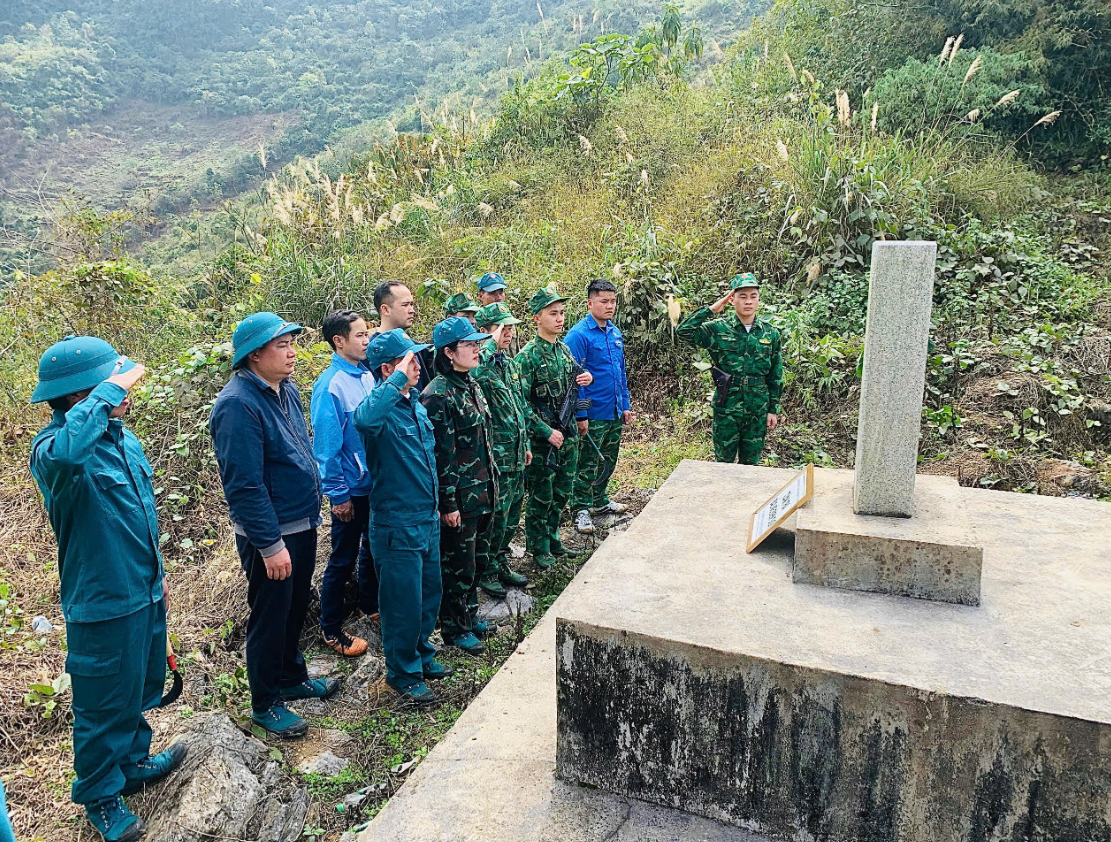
<point>468,485</point>
<point>500,384</point>
<point>544,370</point>
<point>753,359</point>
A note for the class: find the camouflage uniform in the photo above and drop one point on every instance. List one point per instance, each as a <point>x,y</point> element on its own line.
<point>509,440</point>
<point>753,358</point>
<point>544,372</point>
<point>468,485</point>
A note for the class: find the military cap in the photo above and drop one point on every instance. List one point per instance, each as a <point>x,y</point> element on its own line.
<point>75,364</point>
<point>491,282</point>
<point>456,329</point>
<point>255,331</point>
<point>544,298</point>
<point>389,346</point>
<point>460,303</point>
<point>497,313</point>
<point>744,280</point>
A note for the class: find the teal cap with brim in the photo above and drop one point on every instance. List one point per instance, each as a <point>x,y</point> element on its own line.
<point>75,364</point>
<point>255,331</point>
<point>456,329</point>
<point>391,345</point>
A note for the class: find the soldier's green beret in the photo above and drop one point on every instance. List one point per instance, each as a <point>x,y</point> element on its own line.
<point>744,281</point>
<point>460,303</point>
<point>543,298</point>
<point>497,313</point>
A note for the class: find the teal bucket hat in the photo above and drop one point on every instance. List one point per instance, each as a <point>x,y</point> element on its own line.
<point>456,329</point>
<point>75,364</point>
<point>255,331</point>
<point>391,345</point>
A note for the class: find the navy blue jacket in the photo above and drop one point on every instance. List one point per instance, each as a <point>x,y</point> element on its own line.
<point>266,461</point>
<point>400,454</point>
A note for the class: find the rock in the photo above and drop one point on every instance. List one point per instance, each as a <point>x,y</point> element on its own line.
<point>335,737</point>
<point>493,610</point>
<point>226,788</point>
<point>519,602</point>
<point>366,674</point>
<point>325,763</point>
<point>370,631</point>
<point>321,666</point>
<point>516,603</point>
<point>516,550</point>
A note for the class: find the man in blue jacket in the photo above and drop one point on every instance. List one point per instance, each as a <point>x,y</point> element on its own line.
<point>273,492</point>
<point>597,346</point>
<point>339,454</point>
<point>96,483</point>
<point>404,522</point>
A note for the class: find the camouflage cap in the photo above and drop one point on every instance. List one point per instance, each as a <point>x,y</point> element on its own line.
<point>544,297</point>
<point>744,281</point>
<point>495,314</point>
<point>460,303</point>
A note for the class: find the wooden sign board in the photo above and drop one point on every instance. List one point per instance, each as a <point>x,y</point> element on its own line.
<point>780,506</point>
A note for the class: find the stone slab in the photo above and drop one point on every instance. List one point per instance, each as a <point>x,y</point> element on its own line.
<point>933,555</point>
<point>691,673</point>
<point>900,299</point>
<point>492,777</point>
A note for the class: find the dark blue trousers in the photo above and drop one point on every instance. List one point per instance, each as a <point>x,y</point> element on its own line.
<point>409,590</point>
<point>278,610</point>
<point>350,546</point>
<point>118,670</point>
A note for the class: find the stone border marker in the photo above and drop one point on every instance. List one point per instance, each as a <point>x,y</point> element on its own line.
<point>900,300</point>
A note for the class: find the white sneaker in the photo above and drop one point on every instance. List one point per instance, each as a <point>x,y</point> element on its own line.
<point>611,508</point>
<point>583,523</point>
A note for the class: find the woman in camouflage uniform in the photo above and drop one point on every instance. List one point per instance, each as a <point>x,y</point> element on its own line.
<point>468,478</point>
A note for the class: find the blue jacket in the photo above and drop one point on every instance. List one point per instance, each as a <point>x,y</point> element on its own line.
<point>96,483</point>
<point>601,351</point>
<point>401,454</point>
<point>265,459</point>
<point>336,395</point>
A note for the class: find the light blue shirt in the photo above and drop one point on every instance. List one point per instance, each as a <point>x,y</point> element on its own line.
<point>336,444</point>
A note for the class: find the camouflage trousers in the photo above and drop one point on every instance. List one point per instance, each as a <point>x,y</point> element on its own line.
<point>549,489</point>
<point>460,546</point>
<point>511,497</point>
<point>739,435</point>
<point>607,435</point>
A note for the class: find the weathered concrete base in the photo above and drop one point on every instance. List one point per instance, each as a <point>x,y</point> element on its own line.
<point>932,555</point>
<point>691,674</point>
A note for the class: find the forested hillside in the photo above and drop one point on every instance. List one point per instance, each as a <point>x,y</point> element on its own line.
<point>645,155</point>
<point>130,86</point>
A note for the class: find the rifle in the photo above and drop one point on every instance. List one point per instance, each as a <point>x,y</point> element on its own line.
<point>563,419</point>
<point>722,382</point>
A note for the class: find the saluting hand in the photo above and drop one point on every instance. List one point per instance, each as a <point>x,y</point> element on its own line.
<point>279,566</point>
<point>411,369</point>
<point>719,305</point>
<point>128,379</point>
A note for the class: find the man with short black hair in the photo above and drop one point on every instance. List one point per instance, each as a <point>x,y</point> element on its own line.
<point>339,453</point>
<point>598,346</point>
<point>398,309</point>
<point>272,487</point>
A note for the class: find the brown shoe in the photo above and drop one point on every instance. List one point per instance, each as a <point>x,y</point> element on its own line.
<point>346,645</point>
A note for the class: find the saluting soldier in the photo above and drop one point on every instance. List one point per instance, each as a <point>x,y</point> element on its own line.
<point>468,477</point>
<point>96,483</point>
<point>545,369</point>
<point>509,441</point>
<point>747,350</point>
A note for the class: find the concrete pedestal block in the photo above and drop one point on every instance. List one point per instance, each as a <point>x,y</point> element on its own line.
<point>693,675</point>
<point>933,555</point>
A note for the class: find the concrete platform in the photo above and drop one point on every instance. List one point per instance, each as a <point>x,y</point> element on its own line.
<point>691,674</point>
<point>931,555</point>
<point>492,777</point>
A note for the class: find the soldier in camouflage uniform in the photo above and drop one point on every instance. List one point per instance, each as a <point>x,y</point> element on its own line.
<point>544,368</point>
<point>748,349</point>
<point>468,477</point>
<point>499,381</point>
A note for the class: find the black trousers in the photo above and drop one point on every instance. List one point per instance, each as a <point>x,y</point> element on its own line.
<point>278,610</point>
<point>350,550</point>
